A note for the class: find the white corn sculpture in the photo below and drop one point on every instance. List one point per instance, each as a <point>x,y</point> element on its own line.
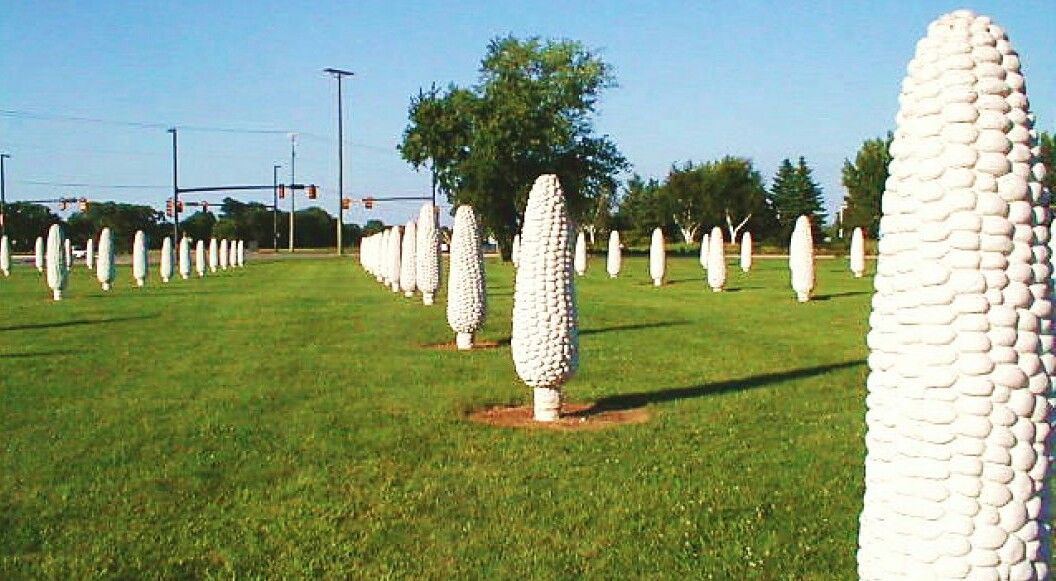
<point>166,259</point>
<point>38,254</point>
<point>232,254</point>
<point>581,254</point>
<point>427,263</point>
<point>746,252</point>
<point>466,290</point>
<point>241,253</point>
<point>57,267</point>
<point>657,258</point>
<point>408,256</point>
<point>223,253</point>
<point>858,253</point>
<point>200,265</point>
<point>139,258</point>
<point>961,361</point>
<point>185,258</point>
<point>614,259</point>
<point>214,255</point>
<point>515,254</point>
<point>395,251</point>
<point>105,269</point>
<point>705,251</point>
<point>68,249</point>
<point>716,260</point>
<point>545,339</point>
<point>5,255</point>
<point>89,254</point>
<point>801,259</point>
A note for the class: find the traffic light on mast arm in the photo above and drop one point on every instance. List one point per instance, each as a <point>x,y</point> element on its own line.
<point>82,204</point>
<point>346,203</point>
<point>282,192</point>
<point>313,192</point>
<point>368,203</point>
<point>168,207</point>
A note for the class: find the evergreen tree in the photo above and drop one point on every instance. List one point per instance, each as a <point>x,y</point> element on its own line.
<point>794,193</point>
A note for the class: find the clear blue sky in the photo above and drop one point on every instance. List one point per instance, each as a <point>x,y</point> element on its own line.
<point>698,80</point>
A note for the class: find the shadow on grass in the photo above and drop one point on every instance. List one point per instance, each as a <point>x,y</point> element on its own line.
<point>33,354</point>
<point>635,327</point>
<point>831,296</point>
<point>76,323</point>
<point>631,401</point>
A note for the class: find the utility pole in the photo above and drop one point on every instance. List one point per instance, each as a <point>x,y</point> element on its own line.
<point>339,74</point>
<point>175,193</point>
<point>275,205</point>
<point>3,194</point>
<point>293,180</point>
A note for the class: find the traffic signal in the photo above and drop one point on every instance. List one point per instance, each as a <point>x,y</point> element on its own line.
<point>313,193</point>
<point>282,191</point>
<point>179,206</point>
<point>205,206</point>
<point>62,204</point>
<point>168,207</point>
<point>82,204</point>
<point>368,203</point>
<point>346,203</point>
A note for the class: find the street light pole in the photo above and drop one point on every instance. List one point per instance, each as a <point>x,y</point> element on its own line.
<point>175,193</point>
<point>293,180</point>
<point>275,205</point>
<point>3,194</point>
<point>339,74</point>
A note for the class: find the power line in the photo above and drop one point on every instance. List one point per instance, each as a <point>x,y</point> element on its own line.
<point>137,124</point>
<point>84,185</point>
<point>32,116</point>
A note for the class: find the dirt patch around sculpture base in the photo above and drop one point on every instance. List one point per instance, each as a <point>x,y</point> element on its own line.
<point>574,416</point>
<point>477,346</point>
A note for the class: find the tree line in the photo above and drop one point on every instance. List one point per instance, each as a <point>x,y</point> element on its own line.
<point>252,222</point>
<point>531,112</point>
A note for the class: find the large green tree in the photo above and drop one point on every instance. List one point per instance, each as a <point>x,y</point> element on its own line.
<point>530,113</point>
<point>123,221</point>
<point>641,208</point>
<point>865,180</point>
<point>794,193</point>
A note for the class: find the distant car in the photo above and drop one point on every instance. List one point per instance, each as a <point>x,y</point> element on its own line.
<point>79,252</point>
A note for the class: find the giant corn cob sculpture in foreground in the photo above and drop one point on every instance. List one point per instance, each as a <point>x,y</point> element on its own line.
<point>466,290</point>
<point>961,331</point>
<point>545,342</point>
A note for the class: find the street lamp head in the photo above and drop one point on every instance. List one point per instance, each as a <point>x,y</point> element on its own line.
<point>338,72</point>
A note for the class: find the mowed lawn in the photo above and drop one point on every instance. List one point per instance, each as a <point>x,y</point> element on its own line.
<point>286,421</point>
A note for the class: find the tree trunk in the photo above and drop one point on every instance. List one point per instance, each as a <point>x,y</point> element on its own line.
<point>735,229</point>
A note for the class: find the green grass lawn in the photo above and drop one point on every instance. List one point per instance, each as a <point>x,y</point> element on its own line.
<point>283,421</point>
